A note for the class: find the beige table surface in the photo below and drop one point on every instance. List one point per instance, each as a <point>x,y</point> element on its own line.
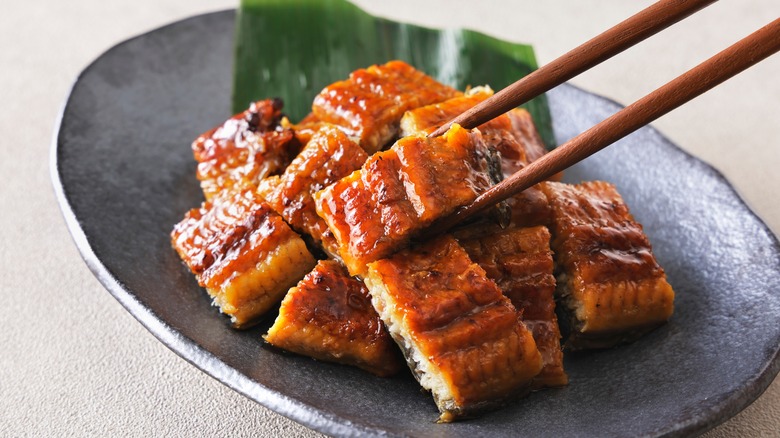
<point>74,362</point>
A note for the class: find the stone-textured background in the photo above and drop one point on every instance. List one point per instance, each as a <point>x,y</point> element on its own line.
<point>73,362</point>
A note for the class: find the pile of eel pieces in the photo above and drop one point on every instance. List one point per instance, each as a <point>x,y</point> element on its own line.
<point>325,217</point>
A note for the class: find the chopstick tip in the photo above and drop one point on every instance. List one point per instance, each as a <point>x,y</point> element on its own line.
<point>440,130</point>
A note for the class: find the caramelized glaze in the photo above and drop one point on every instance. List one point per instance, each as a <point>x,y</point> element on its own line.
<point>519,260</point>
<point>328,316</point>
<point>245,149</point>
<point>460,334</point>
<point>613,286</point>
<point>242,253</point>
<point>328,156</point>
<point>376,210</point>
<point>305,129</point>
<point>369,104</point>
<point>426,119</point>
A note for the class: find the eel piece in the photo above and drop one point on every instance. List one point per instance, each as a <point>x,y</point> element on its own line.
<point>519,260</point>
<point>369,104</point>
<point>242,253</point>
<point>327,157</point>
<point>245,149</point>
<point>305,129</point>
<point>460,335</point>
<point>524,131</point>
<point>512,134</point>
<point>518,147</point>
<point>427,118</point>
<point>328,316</point>
<point>498,132</point>
<point>609,281</point>
<point>378,209</point>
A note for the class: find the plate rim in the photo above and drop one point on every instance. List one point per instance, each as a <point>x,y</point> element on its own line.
<point>298,410</point>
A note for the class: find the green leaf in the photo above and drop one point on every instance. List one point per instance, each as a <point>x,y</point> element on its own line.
<point>294,48</point>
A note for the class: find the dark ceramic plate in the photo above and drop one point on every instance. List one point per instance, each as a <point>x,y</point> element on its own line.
<point>124,174</point>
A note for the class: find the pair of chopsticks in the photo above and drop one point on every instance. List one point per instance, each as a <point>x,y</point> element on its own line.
<point>745,53</point>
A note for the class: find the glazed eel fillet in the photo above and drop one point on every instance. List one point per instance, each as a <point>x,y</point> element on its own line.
<point>327,157</point>
<point>519,260</point>
<point>369,105</point>
<point>460,335</point>
<point>328,316</point>
<point>376,210</point>
<point>245,149</point>
<point>513,135</point>
<point>242,253</point>
<point>609,281</point>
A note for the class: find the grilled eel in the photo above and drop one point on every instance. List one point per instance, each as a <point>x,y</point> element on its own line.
<point>242,253</point>
<point>519,260</point>
<point>374,211</point>
<point>328,316</point>
<point>513,135</point>
<point>245,149</point>
<point>305,129</point>
<point>328,156</point>
<point>460,335</point>
<point>369,104</point>
<point>609,281</point>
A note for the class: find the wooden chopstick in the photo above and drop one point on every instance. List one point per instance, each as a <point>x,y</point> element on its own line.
<point>638,27</point>
<point>738,57</point>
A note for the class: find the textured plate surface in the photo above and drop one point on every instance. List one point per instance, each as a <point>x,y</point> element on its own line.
<point>124,174</point>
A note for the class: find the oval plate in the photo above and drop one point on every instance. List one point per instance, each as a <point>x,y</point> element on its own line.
<point>124,173</point>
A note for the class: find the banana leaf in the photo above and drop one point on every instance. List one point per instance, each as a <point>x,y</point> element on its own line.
<point>293,48</point>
